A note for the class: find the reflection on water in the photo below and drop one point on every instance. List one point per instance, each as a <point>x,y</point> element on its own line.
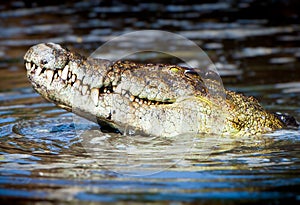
<point>47,156</point>
<point>49,152</point>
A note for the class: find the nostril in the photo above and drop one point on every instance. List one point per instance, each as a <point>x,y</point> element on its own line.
<point>43,61</point>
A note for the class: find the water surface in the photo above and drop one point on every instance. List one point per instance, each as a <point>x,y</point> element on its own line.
<point>42,154</point>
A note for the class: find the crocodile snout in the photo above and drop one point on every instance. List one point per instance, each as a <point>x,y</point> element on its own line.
<point>47,56</point>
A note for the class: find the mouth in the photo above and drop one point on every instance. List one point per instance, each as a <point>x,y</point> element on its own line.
<point>49,74</point>
<point>66,77</point>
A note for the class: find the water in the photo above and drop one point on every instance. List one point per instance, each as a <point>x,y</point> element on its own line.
<point>43,157</point>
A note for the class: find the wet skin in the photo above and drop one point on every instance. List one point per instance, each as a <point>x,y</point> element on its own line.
<point>155,99</point>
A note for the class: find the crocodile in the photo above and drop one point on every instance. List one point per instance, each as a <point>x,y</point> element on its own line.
<point>154,99</point>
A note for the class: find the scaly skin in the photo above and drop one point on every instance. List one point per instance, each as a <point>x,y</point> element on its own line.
<point>156,99</point>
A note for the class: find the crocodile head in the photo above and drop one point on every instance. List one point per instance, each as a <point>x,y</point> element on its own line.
<point>156,99</point>
<point>117,94</point>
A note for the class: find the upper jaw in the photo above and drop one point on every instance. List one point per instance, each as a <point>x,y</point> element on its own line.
<point>47,55</point>
<point>74,71</point>
<point>43,76</point>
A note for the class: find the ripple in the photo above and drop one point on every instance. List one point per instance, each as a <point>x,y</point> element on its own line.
<point>42,157</point>
<point>239,33</point>
<point>282,60</point>
<point>255,52</point>
<point>289,87</point>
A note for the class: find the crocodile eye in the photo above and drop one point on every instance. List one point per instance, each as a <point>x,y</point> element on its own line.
<point>174,69</point>
<point>43,62</point>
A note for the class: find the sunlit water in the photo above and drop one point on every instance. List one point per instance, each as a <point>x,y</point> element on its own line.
<point>46,155</point>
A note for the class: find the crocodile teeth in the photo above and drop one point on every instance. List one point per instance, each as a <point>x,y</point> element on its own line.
<point>28,66</point>
<point>38,70</point>
<point>59,73</point>
<point>73,78</point>
<point>95,95</point>
<point>64,74</point>
<point>49,74</point>
<point>84,89</point>
<point>132,98</point>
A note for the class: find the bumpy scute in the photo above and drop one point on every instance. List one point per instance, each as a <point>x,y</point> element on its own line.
<point>155,99</point>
